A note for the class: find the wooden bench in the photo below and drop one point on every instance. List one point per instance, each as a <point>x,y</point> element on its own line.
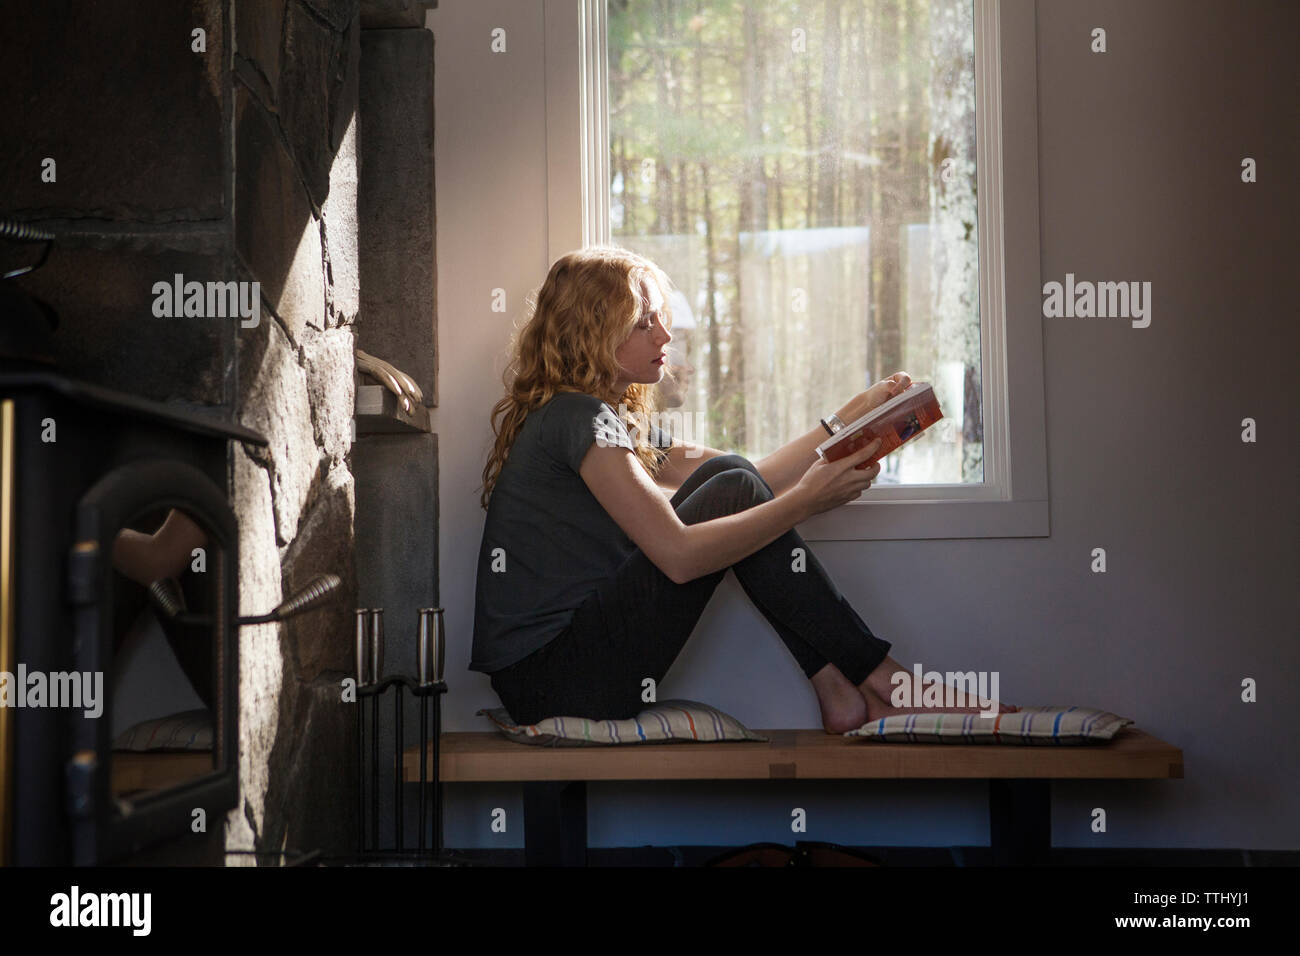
<point>554,778</point>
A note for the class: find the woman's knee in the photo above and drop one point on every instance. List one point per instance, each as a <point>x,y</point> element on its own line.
<point>725,463</point>
<point>727,492</point>
<point>742,465</point>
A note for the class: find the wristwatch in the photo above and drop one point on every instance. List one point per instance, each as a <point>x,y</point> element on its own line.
<point>832,423</point>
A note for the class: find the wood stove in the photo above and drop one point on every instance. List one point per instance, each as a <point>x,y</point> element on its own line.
<point>114,520</point>
<point>82,471</point>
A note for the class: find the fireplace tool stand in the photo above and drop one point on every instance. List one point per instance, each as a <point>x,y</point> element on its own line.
<point>427,688</point>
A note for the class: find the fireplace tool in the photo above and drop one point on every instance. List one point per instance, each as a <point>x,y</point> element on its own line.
<point>427,687</point>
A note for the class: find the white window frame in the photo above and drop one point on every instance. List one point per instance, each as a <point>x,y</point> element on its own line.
<point>1013,499</point>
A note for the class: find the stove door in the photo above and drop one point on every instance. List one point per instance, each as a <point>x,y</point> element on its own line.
<point>152,579</point>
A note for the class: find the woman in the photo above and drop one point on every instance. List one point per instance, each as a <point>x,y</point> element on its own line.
<point>604,541</point>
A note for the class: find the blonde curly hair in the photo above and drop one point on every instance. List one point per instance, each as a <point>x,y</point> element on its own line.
<point>587,307</point>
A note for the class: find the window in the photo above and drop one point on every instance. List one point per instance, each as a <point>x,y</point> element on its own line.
<point>827,192</point>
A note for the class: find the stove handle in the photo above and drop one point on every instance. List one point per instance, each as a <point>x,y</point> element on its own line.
<point>319,590</point>
<point>165,596</point>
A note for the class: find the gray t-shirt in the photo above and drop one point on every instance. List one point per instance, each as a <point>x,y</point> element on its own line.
<point>547,541</point>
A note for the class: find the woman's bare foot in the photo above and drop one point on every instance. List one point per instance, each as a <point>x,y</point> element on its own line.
<point>878,689</point>
<point>843,707</point>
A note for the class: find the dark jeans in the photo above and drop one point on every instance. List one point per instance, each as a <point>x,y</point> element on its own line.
<point>636,622</point>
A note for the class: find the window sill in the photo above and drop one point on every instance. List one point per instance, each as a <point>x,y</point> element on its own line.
<point>919,519</point>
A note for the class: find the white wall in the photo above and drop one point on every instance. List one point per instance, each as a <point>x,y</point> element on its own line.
<point>1139,152</point>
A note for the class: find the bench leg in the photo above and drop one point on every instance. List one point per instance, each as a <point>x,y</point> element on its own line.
<point>1020,821</point>
<point>555,823</point>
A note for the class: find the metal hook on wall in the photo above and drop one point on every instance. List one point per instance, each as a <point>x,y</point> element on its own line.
<point>16,231</point>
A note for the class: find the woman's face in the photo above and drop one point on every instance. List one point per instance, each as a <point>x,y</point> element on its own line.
<point>642,357</point>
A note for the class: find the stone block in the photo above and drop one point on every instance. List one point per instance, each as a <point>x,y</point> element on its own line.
<point>316,87</point>
<point>259,30</point>
<point>397,535</point>
<point>340,217</point>
<point>274,401</point>
<point>311,802</point>
<point>379,14</point>
<point>329,360</point>
<point>261,662</point>
<point>276,233</point>
<point>322,640</point>
<point>102,289</point>
<point>130,114</point>
<point>337,13</point>
<point>395,204</point>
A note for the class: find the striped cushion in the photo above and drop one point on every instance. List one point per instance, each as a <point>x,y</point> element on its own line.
<point>190,730</point>
<point>662,722</point>
<point>1027,726</point>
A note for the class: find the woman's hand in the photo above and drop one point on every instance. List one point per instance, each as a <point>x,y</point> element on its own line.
<point>829,484</point>
<point>876,395</point>
<point>886,389</point>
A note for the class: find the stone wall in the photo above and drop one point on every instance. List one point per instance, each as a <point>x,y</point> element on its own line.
<point>294,102</point>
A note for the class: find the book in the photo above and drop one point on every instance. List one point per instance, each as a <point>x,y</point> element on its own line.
<point>894,422</point>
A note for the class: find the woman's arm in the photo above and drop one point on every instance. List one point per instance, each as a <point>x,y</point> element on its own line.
<point>682,552</point>
<point>784,467</point>
<point>685,552</point>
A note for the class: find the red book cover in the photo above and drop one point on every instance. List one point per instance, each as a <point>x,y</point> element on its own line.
<point>894,422</point>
